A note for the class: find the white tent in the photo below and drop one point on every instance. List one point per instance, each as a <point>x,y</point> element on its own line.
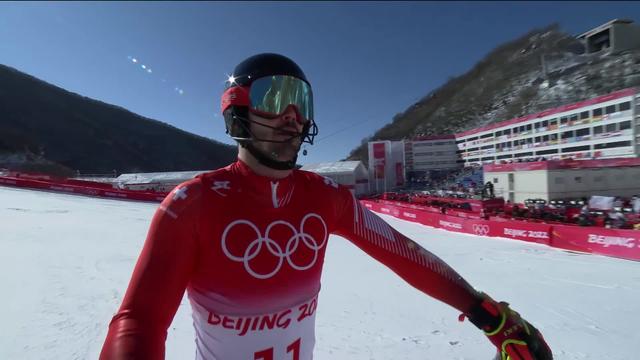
<point>160,181</point>
<point>351,174</point>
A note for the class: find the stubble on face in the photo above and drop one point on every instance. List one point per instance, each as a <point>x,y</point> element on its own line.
<point>285,149</point>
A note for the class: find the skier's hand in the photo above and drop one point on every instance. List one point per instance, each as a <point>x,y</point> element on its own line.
<point>515,338</point>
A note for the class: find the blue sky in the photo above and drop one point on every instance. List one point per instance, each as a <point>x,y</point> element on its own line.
<point>367,61</point>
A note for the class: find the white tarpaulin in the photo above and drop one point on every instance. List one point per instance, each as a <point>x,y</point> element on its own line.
<point>601,202</point>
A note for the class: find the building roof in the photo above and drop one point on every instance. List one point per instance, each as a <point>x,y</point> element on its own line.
<point>158,177</point>
<point>604,26</point>
<point>434,137</point>
<point>332,167</point>
<point>562,164</point>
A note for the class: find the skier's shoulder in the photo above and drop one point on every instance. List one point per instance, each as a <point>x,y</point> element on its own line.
<point>187,197</point>
<point>182,198</point>
<point>320,184</point>
<point>314,180</point>
<point>307,176</point>
<point>221,182</point>
<point>209,177</point>
<point>189,192</point>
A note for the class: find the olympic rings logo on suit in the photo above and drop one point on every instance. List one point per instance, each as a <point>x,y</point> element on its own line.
<point>480,229</point>
<point>253,249</point>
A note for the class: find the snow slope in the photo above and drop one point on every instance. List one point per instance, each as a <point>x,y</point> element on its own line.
<point>65,262</point>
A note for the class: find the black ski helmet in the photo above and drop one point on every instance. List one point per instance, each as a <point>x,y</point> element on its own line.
<point>266,64</point>
<point>237,117</point>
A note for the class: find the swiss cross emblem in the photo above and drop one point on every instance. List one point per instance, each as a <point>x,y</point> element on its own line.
<point>180,194</point>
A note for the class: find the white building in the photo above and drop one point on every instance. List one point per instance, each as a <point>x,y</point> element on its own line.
<point>431,153</point>
<point>616,35</point>
<point>351,174</point>
<point>560,179</point>
<point>599,128</point>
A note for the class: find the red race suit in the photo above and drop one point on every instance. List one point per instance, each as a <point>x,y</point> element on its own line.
<point>249,252</point>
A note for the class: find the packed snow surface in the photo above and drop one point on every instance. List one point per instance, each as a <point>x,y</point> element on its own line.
<point>65,262</point>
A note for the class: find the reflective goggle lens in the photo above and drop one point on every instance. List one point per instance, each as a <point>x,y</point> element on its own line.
<point>273,94</point>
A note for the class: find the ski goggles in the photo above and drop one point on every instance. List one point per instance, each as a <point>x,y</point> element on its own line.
<point>270,96</point>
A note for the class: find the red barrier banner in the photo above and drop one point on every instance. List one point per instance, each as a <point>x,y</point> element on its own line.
<point>410,215</point>
<point>21,175</point>
<point>404,213</point>
<point>421,217</point>
<point>8,181</point>
<point>463,214</point>
<point>99,191</point>
<point>522,230</point>
<point>91,184</point>
<point>451,223</point>
<point>390,210</point>
<point>612,242</point>
<point>372,205</point>
<point>411,206</point>
<point>519,230</point>
<point>468,226</point>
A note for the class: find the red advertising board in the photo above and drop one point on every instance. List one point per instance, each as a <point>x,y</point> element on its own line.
<point>518,230</point>
<point>451,223</point>
<point>379,150</point>
<point>405,213</point>
<point>463,214</point>
<point>424,218</point>
<point>98,190</point>
<point>611,242</point>
<point>522,230</point>
<point>411,206</point>
<point>379,155</point>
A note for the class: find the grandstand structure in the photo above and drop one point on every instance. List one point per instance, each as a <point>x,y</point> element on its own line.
<point>604,127</point>
<point>599,128</point>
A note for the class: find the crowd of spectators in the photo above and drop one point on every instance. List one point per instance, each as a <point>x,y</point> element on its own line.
<point>521,160</point>
<point>623,214</point>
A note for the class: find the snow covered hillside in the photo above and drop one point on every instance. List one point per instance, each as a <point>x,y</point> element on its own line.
<point>541,70</point>
<point>65,262</point>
